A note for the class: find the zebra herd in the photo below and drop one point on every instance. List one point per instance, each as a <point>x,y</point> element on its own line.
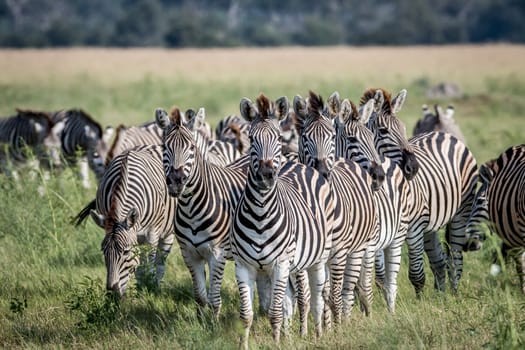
<point>307,199</point>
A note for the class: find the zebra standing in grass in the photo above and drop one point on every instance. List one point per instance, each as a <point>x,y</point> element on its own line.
<point>283,221</point>
<point>443,175</point>
<point>134,208</point>
<point>392,200</point>
<point>352,189</point>
<point>207,196</point>
<point>440,121</point>
<point>82,135</point>
<point>501,200</point>
<point>28,132</point>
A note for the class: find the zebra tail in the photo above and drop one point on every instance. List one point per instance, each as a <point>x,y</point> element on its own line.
<point>83,214</point>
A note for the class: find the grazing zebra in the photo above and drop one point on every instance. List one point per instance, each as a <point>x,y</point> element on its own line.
<point>283,221</point>
<point>355,141</point>
<point>501,199</point>
<point>439,121</point>
<point>81,133</point>
<point>355,219</point>
<point>207,196</point>
<point>443,175</point>
<point>134,208</point>
<point>28,132</point>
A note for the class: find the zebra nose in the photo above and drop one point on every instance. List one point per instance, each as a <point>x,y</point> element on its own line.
<point>113,287</point>
<point>409,164</point>
<point>378,175</point>
<point>176,176</point>
<point>322,167</point>
<point>266,169</point>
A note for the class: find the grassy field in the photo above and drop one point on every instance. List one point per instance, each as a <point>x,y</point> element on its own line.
<point>52,275</point>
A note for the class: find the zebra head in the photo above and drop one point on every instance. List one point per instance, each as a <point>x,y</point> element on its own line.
<point>389,131</point>
<point>354,141</point>
<point>179,150</point>
<point>480,211</point>
<point>265,138</point>
<point>118,247</point>
<point>316,133</point>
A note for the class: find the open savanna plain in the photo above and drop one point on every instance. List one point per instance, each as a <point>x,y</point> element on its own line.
<point>52,274</point>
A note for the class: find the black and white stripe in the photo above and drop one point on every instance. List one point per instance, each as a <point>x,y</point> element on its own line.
<point>134,208</point>
<point>355,211</point>
<point>207,196</point>
<point>283,221</point>
<point>443,175</point>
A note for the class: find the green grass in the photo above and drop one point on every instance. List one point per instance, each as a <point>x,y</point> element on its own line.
<point>49,266</point>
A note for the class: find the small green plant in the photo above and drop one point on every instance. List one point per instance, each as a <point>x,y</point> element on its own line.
<point>97,307</point>
<point>18,306</point>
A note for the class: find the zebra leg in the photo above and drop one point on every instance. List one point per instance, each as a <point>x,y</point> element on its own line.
<point>455,235</point>
<point>393,263</point>
<point>317,279</point>
<point>289,304</point>
<point>352,271</point>
<point>245,276</point>
<point>216,265</point>
<point>145,271</point>
<point>334,297</point>
<point>303,301</point>
<point>197,268</point>
<point>83,172</point>
<point>365,280</point>
<point>327,309</point>
<point>380,268</point>
<point>520,268</point>
<point>437,259</point>
<point>264,292</point>
<point>416,269</point>
<point>163,250</point>
<point>280,276</point>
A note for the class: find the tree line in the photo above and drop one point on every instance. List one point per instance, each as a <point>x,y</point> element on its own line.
<point>228,23</point>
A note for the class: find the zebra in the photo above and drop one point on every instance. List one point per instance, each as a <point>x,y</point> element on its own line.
<point>28,132</point>
<point>355,219</point>
<point>81,133</point>
<point>440,121</point>
<point>234,129</point>
<point>134,208</point>
<point>207,196</point>
<point>442,174</point>
<point>501,202</point>
<point>283,221</point>
<point>355,141</point>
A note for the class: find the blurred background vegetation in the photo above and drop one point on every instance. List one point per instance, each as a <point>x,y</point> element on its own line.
<point>227,23</point>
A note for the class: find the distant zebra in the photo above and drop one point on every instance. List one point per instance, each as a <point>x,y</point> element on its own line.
<point>392,200</point>
<point>440,121</point>
<point>443,175</point>
<point>83,136</point>
<point>355,221</point>
<point>283,221</point>
<point>502,200</point>
<point>207,196</point>
<point>28,133</point>
<point>134,208</point>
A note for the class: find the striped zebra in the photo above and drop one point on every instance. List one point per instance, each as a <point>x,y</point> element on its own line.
<point>82,135</point>
<point>355,141</point>
<point>501,201</point>
<point>355,219</point>
<point>207,196</point>
<point>134,208</point>
<point>443,175</point>
<point>234,129</point>
<point>283,221</point>
<point>28,133</point>
<point>440,121</point>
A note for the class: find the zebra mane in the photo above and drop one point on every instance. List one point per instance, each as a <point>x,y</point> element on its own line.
<point>369,94</point>
<point>84,115</point>
<point>116,141</point>
<point>117,191</point>
<point>176,116</point>
<point>354,113</point>
<point>315,104</point>
<point>264,105</point>
<point>32,114</point>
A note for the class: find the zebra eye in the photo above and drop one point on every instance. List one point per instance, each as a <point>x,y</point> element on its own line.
<point>351,139</point>
<point>383,131</point>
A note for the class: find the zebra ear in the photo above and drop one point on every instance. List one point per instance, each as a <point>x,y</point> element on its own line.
<point>131,219</point>
<point>282,108</point>
<point>162,118</point>
<point>346,111</point>
<point>398,101</point>
<point>248,110</point>
<point>299,107</point>
<point>450,112</point>
<point>99,219</point>
<point>486,173</point>
<point>334,104</point>
<point>108,133</point>
<point>366,111</point>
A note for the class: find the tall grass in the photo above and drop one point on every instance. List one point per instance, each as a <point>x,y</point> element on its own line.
<point>53,275</point>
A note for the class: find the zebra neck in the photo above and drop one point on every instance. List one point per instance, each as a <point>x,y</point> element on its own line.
<point>197,180</point>
<point>258,195</point>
